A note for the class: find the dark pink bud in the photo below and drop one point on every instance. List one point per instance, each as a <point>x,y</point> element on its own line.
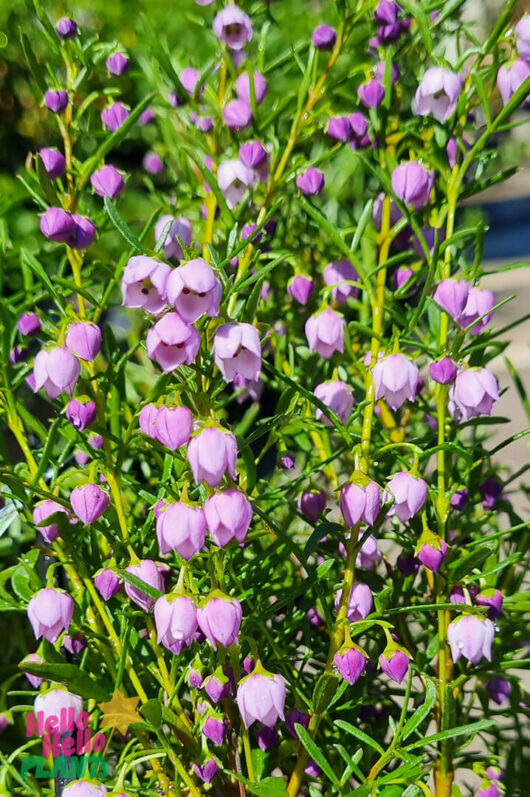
<point>57,225</point>
<point>459,499</point>
<point>96,441</point>
<point>53,162</point>
<point>114,116</point>
<point>408,565</point>
<point>267,738</point>
<point>56,101</point>
<point>75,644</point>
<point>107,181</point>
<point>81,458</point>
<point>371,94</point>
<point>81,414</point>
<point>339,128</point>
<point>208,771</point>
<point>147,117</point>
<point>108,583</point>
<point>432,557</point>
<point>287,462</point>
<point>301,288</point>
<point>253,154</point>
<point>215,730</point>
<point>395,665</point>
<point>490,491</point>
<point>66,28</point>
<point>216,688</point>
<point>84,232</point>
<point>324,37</point>
<point>380,72</point>
<point>29,324</point>
<point>117,64</point>
<point>492,598</point>
<point>443,371</point>
<point>295,717</point>
<point>89,502</point>
<point>402,276</point>
<point>350,663</point>
<point>386,12</point>
<point>359,138</point>
<point>18,355</point>
<point>499,690</point>
<point>314,617</point>
<point>312,504</point>
<point>248,664</point>
<point>311,182</point>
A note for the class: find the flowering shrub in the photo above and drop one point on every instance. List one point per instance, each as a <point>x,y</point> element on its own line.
<point>246,361</point>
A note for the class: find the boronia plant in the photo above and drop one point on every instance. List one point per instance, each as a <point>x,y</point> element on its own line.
<point>256,534</point>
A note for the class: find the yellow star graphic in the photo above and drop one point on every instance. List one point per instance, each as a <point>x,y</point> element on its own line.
<point>119,712</point>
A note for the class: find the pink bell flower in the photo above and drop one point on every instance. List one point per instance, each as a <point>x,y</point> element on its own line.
<point>228,516</point>
<point>471,637</point>
<point>410,494</point>
<point>172,342</point>
<point>220,620</point>
<point>143,284</point>
<point>237,351</point>
<point>56,370</point>
<point>325,333</point>
<point>395,380</point>
<point>175,621</point>
<point>473,393</point>
<point>211,454</point>
<point>50,612</point>
<point>261,698</point>
<point>149,572</point>
<point>194,290</point>
<point>181,528</point>
<point>89,502</point>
